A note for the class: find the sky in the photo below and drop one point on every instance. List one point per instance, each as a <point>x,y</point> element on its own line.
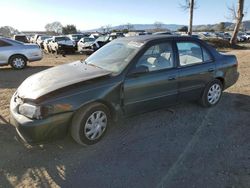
<point>33,15</point>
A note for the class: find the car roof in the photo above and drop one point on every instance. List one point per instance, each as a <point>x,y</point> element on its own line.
<point>9,40</point>
<point>61,36</point>
<point>20,35</point>
<point>148,38</point>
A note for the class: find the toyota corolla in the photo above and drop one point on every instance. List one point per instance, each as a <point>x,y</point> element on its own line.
<point>128,76</point>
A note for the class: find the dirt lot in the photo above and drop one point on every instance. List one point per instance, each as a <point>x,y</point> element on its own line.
<point>187,146</point>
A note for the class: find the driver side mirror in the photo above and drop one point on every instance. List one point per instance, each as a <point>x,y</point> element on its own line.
<point>139,70</point>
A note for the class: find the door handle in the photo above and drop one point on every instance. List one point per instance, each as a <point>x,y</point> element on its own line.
<point>211,70</point>
<point>170,78</point>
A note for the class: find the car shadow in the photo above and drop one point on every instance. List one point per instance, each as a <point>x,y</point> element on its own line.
<point>167,148</point>
<point>10,78</point>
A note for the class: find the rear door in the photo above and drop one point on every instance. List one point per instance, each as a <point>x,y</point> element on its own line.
<point>196,69</point>
<point>156,88</point>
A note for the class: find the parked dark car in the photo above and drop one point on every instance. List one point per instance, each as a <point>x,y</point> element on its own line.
<point>61,45</point>
<point>128,76</point>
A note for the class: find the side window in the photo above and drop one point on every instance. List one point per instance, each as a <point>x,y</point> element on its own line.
<point>191,53</point>
<point>206,55</point>
<point>3,43</point>
<point>157,57</point>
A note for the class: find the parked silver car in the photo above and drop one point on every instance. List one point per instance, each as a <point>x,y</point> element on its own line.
<point>17,54</point>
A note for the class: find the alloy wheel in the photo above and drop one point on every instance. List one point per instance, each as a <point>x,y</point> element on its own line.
<point>18,62</point>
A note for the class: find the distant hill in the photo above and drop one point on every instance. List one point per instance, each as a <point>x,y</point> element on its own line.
<point>172,27</point>
<point>175,27</point>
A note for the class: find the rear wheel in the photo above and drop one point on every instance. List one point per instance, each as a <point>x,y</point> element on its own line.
<point>18,62</point>
<point>90,124</point>
<point>212,94</point>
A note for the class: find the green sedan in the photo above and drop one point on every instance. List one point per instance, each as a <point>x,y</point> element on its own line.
<point>126,77</point>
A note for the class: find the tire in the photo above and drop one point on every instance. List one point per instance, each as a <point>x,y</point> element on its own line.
<point>18,62</point>
<point>212,94</point>
<point>57,52</point>
<point>87,128</point>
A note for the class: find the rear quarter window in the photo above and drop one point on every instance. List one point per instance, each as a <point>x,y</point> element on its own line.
<point>3,43</point>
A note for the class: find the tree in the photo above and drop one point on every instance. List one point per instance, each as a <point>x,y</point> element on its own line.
<point>183,29</point>
<point>106,28</point>
<point>128,26</point>
<point>54,27</point>
<point>189,5</point>
<point>237,16</point>
<point>69,29</point>
<point>221,26</point>
<point>158,26</point>
<point>8,31</point>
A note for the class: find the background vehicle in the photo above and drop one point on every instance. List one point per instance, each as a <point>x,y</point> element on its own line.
<point>62,44</point>
<point>87,44</point>
<point>46,45</point>
<point>163,33</point>
<point>21,38</point>
<point>35,37</point>
<point>105,39</point>
<point>126,77</point>
<point>247,35</point>
<point>17,54</point>
<point>41,39</point>
<point>75,38</point>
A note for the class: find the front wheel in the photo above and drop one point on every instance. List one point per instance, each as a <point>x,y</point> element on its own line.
<point>212,94</point>
<point>90,124</point>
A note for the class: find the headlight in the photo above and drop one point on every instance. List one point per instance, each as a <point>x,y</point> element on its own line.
<point>30,111</point>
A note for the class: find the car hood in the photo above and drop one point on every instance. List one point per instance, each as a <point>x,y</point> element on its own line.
<point>58,77</point>
<point>88,43</point>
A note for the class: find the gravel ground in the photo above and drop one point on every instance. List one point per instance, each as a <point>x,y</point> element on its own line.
<point>185,146</point>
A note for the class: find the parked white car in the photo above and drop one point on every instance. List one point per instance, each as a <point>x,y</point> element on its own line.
<point>46,45</point>
<point>62,44</point>
<point>41,39</point>
<point>35,37</point>
<point>247,35</point>
<point>87,44</point>
<point>17,54</point>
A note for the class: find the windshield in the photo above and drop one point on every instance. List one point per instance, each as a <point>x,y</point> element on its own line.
<point>45,37</point>
<point>61,38</point>
<point>77,37</point>
<point>114,56</point>
<point>102,38</point>
<point>89,39</point>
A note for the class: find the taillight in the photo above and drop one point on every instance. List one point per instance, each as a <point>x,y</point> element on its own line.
<point>236,63</point>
